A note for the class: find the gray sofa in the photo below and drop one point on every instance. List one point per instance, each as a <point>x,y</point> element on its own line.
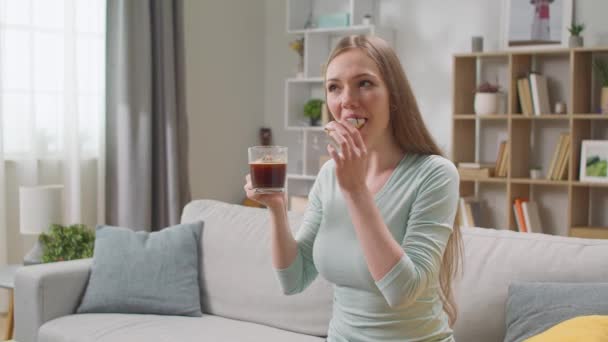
<point>242,301</point>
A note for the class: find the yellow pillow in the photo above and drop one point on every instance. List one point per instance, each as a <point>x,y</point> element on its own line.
<point>582,328</point>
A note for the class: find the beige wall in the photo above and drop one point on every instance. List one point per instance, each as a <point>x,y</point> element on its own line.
<point>281,63</point>
<point>224,42</point>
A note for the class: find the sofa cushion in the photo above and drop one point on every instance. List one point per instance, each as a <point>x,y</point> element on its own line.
<point>493,259</point>
<point>583,328</point>
<point>141,272</point>
<point>154,328</point>
<point>239,281</point>
<point>535,307</point>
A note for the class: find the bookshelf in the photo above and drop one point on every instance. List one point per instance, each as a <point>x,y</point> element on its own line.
<point>564,205</point>
<point>301,23</point>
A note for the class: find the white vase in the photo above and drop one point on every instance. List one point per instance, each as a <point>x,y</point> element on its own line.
<point>536,173</point>
<point>300,70</point>
<point>486,103</point>
<point>575,41</point>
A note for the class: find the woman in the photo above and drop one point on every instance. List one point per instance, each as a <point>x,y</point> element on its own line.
<point>379,224</point>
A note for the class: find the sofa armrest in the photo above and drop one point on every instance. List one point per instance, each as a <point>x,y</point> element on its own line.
<point>47,291</point>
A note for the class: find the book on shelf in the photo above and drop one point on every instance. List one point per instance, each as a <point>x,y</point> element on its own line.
<point>501,150</point>
<point>540,94</point>
<point>519,215</point>
<point>501,160</point>
<point>525,98</point>
<point>469,211</point>
<point>554,157</point>
<point>505,162</point>
<point>461,213</point>
<point>526,215</point>
<point>517,218</point>
<point>531,217</point>
<point>589,232</point>
<point>559,161</point>
<point>562,169</point>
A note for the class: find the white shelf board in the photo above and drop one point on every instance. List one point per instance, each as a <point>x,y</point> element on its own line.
<point>301,177</point>
<point>306,80</point>
<point>331,30</point>
<point>305,128</point>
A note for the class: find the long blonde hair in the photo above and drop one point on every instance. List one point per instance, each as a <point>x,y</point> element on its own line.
<point>412,136</point>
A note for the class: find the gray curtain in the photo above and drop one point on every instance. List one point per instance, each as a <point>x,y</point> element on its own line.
<point>146,123</point>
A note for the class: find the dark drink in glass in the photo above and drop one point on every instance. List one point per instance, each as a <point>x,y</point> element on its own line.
<point>268,175</point>
<point>268,168</point>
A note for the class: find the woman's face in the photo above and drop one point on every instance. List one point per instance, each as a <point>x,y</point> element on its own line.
<point>355,89</point>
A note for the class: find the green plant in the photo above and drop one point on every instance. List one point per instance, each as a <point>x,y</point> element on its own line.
<point>297,45</point>
<point>312,109</point>
<point>601,66</point>
<point>64,243</point>
<point>576,29</point>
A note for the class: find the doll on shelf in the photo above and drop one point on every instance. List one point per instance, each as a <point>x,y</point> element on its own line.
<point>541,22</point>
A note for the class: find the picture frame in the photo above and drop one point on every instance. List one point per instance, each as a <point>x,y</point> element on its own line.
<point>535,24</point>
<point>594,161</point>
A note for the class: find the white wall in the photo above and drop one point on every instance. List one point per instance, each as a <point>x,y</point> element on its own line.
<point>428,33</point>
<point>280,64</point>
<point>237,58</point>
<point>224,42</point>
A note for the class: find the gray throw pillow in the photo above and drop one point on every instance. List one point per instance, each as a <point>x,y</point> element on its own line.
<point>145,273</point>
<point>535,307</point>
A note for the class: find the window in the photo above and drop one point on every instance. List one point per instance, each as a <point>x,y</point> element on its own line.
<point>52,75</point>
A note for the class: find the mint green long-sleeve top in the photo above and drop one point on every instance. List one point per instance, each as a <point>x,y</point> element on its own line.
<point>418,204</point>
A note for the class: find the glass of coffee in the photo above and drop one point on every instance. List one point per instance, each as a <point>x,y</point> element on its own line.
<point>268,168</point>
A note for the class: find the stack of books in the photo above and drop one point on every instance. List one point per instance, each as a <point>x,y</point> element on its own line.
<point>558,169</point>
<point>526,216</point>
<point>533,94</point>
<point>469,212</point>
<point>476,170</point>
<point>502,160</point>
<point>298,203</point>
<point>589,232</point>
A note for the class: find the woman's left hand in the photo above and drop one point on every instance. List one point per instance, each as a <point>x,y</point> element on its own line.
<point>351,162</point>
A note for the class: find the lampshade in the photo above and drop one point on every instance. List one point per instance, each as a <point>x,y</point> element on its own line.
<point>39,207</point>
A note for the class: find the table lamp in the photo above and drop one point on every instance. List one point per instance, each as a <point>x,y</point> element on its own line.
<point>39,208</point>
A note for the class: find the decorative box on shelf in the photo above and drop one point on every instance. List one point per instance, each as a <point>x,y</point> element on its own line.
<point>340,19</point>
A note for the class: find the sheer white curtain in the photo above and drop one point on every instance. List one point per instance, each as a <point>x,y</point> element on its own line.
<point>52,99</point>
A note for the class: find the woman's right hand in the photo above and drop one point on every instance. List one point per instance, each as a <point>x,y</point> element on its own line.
<point>272,201</point>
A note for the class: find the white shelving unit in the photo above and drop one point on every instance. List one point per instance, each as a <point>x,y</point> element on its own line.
<point>318,43</point>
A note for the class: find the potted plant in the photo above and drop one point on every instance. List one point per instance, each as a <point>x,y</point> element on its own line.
<point>601,67</point>
<point>298,46</point>
<point>486,99</point>
<point>312,110</point>
<point>535,172</point>
<point>576,40</point>
<point>64,243</point>
<point>367,20</point>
